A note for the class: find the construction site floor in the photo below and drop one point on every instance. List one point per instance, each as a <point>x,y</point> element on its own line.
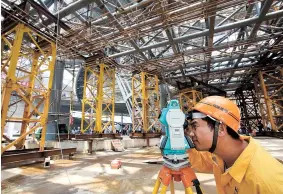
<point>87,174</point>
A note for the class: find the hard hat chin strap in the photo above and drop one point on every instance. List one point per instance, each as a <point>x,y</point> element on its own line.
<point>215,137</point>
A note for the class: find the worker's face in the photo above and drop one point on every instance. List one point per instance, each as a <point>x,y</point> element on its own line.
<point>201,134</point>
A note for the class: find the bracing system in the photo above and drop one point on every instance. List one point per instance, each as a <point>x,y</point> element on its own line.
<point>250,108</point>
<point>270,85</point>
<point>27,67</point>
<point>145,102</point>
<point>188,98</point>
<point>98,103</point>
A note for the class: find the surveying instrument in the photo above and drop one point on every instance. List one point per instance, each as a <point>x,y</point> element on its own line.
<point>174,146</point>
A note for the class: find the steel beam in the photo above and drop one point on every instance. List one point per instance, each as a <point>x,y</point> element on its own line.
<point>27,155</point>
<point>119,26</point>
<point>253,33</point>
<point>192,27</point>
<point>218,60</point>
<point>204,49</point>
<point>51,18</point>
<point>225,37</point>
<point>171,41</point>
<point>211,22</point>
<point>167,48</point>
<point>241,32</point>
<point>224,70</point>
<point>142,39</point>
<point>153,37</point>
<point>126,10</point>
<point>174,48</point>
<point>77,14</point>
<point>71,8</point>
<point>238,24</point>
<point>228,17</point>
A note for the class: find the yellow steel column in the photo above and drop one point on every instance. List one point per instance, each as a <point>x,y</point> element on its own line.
<point>108,98</point>
<point>267,101</point>
<point>29,97</point>
<point>84,99</point>
<point>260,104</point>
<point>99,99</point>
<point>113,98</point>
<point>136,102</point>
<point>90,107</point>
<point>20,79</point>
<point>144,101</point>
<point>11,77</point>
<point>44,116</point>
<point>157,103</point>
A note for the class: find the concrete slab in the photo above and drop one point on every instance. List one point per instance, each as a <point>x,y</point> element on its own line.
<point>93,174</point>
<point>87,174</point>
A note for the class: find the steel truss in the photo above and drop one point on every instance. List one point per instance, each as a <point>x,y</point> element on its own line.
<point>27,74</point>
<point>98,103</point>
<point>160,36</point>
<point>249,105</point>
<point>270,86</point>
<point>145,102</point>
<point>188,98</point>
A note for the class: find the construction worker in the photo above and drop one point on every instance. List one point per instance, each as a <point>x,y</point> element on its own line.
<point>240,165</point>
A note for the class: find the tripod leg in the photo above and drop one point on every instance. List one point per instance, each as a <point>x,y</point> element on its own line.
<point>163,189</point>
<point>156,186</point>
<point>172,186</point>
<point>188,190</point>
<point>197,185</point>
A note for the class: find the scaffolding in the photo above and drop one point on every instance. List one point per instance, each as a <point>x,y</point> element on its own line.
<point>269,85</point>
<point>188,98</point>
<point>249,105</point>
<point>98,103</point>
<point>145,102</point>
<point>27,67</point>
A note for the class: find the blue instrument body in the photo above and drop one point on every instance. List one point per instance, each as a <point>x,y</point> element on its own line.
<point>165,145</point>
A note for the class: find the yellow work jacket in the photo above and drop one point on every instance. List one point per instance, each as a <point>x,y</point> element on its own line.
<point>254,172</point>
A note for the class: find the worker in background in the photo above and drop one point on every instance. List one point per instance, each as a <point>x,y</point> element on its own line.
<point>243,129</point>
<point>259,126</point>
<point>240,165</point>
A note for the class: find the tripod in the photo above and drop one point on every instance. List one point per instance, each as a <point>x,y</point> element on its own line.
<point>167,177</point>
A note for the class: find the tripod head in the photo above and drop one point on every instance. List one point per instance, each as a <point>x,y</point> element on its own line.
<point>174,144</point>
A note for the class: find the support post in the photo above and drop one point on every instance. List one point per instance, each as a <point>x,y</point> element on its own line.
<point>29,97</point>
<point>145,101</point>
<point>267,101</point>
<point>98,103</point>
<point>98,123</point>
<point>11,75</point>
<point>272,87</point>
<point>27,85</point>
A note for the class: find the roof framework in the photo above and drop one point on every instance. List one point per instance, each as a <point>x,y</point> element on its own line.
<point>218,42</point>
